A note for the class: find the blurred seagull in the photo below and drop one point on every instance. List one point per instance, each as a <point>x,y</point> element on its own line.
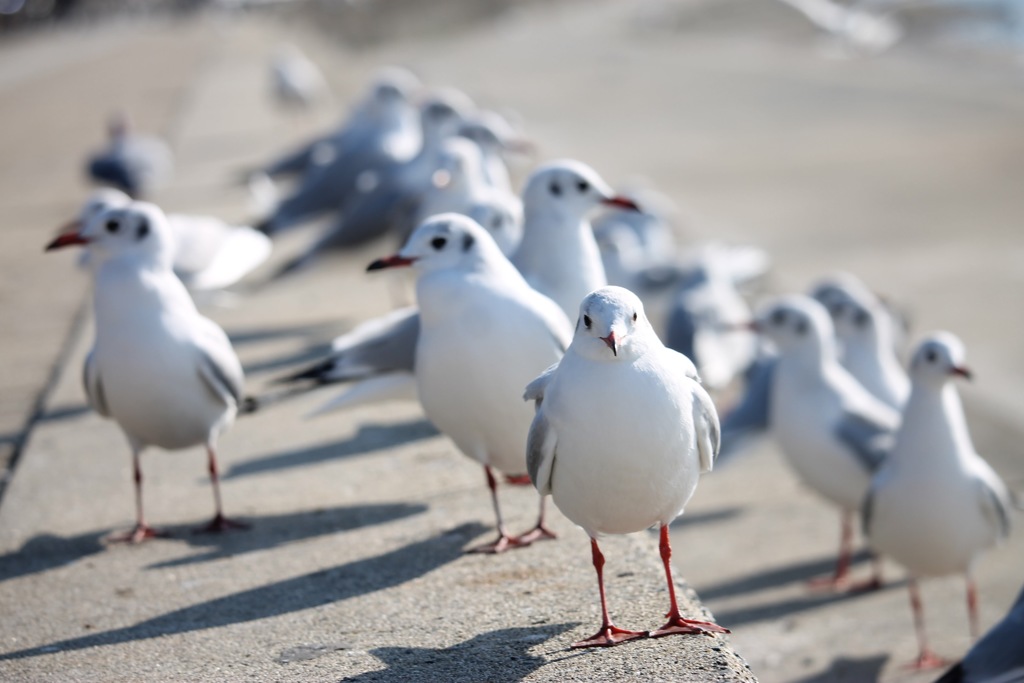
<point>295,80</point>
<point>558,255</point>
<point>832,430</point>
<point>936,505</point>
<point>998,657</point>
<point>135,164</point>
<point>167,375</point>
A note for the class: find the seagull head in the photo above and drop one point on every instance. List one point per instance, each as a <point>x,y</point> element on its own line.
<point>854,308</point>
<point>937,358</point>
<point>503,220</point>
<point>393,84</point>
<point>797,325</point>
<point>136,232</point>
<point>443,111</point>
<point>612,325</point>
<point>447,241</point>
<point>100,201</point>
<point>570,189</point>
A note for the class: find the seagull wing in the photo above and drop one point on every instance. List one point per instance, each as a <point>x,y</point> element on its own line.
<point>218,366</point>
<point>540,452</point>
<point>93,386</point>
<point>707,429</point>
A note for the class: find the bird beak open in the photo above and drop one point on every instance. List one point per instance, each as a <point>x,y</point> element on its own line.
<point>67,239</point>
<point>612,343</point>
<point>395,261</point>
<point>962,372</point>
<point>621,203</point>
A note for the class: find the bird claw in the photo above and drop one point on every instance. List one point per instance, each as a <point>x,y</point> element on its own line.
<point>137,535</point>
<point>927,660</point>
<point>220,524</point>
<point>499,545</point>
<point>537,533</point>
<point>609,635</point>
<point>678,625</point>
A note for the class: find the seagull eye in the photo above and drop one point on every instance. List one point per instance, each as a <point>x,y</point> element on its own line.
<point>779,318</point>
<point>587,321</point>
<point>142,230</point>
<point>555,189</point>
<point>582,186</point>
<point>801,327</point>
<point>496,222</point>
<point>438,243</point>
<point>861,319</point>
<point>930,356</point>
<point>113,226</point>
<point>634,316</point>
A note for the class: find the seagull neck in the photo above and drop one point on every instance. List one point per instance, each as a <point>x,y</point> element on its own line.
<point>935,417</point>
<point>129,291</point>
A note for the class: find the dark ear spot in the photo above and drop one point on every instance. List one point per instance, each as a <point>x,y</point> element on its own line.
<point>142,230</point>
<point>861,318</point>
<point>112,226</point>
<point>467,242</point>
<point>930,356</point>
<point>555,188</point>
<point>778,317</point>
<point>801,327</point>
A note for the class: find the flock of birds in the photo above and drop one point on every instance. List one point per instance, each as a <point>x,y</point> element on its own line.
<point>532,348</point>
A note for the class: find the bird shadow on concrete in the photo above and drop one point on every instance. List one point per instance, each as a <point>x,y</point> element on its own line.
<point>709,517</point>
<point>775,577</point>
<point>47,551</point>
<point>847,670</point>
<point>321,587</point>
<point>497,656</point>
<point>275,530</point>
<point>369,439</point>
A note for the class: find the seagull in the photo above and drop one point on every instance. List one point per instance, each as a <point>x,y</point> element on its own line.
<point>621,434</point>
<point>167,375</point>
<point>867,341</point>
<point>135,164</point>
<point>558,255</point>
<point>832,430</point>
<point>295,80</point>
<point>936,505</point>
<point>484,333</point>
<point>998,657</point>
<point>209,254</point>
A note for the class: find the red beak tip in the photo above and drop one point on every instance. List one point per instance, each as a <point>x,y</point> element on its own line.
<point>395,261</point>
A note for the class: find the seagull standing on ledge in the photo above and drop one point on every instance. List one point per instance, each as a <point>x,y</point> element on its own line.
<point>484,333</point>
<point>936,505</point>
<point>622,433</point>
<point>167,375</point>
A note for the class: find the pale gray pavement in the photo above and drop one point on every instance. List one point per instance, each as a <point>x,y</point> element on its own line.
<point>904,169</point>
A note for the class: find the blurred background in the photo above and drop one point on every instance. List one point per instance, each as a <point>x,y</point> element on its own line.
<point>880,137</point>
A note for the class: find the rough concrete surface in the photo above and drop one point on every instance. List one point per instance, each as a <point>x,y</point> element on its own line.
<point>903,168</point>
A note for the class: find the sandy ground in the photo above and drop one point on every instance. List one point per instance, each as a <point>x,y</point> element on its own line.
<point>904,169</point>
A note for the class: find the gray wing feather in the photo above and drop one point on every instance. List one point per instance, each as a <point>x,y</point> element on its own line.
<point>540,453</point>
<point>995,503</point>
<point>219,367</point>
<point>869,439</point>
<point>94,386</point>
<point>708,430</point>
